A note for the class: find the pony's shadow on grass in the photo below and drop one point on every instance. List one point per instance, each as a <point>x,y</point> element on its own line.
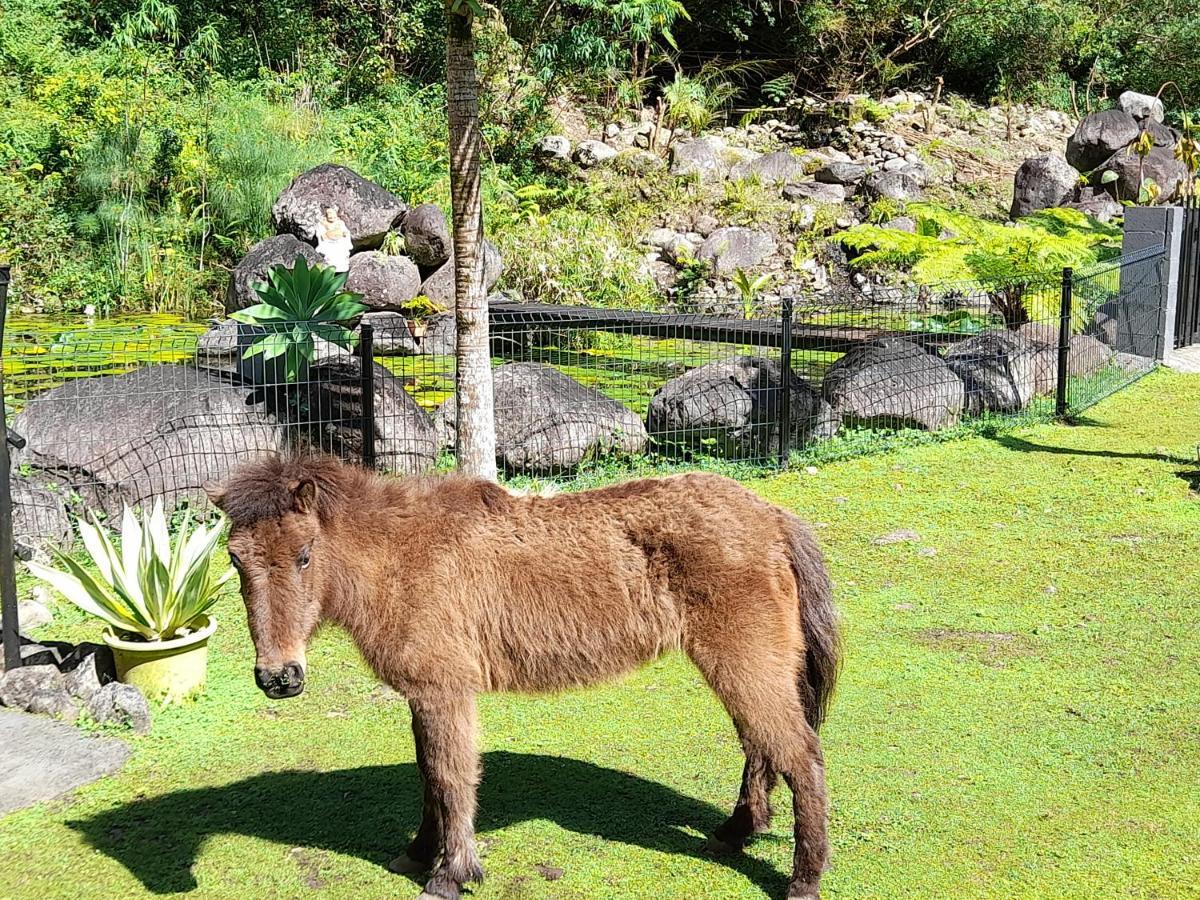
<point>371,812</point>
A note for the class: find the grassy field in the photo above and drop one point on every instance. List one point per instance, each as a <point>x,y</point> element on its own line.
<point>1019,715</point>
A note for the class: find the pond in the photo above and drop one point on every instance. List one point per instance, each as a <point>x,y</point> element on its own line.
<point>43,352</point>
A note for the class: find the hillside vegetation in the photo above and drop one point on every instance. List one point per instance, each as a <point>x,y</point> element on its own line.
<point>141,144</point>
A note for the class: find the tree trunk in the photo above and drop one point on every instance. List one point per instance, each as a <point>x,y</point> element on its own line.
<point>476,426</point>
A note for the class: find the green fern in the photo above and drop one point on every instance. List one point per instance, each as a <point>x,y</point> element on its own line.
<point>1006,260</point>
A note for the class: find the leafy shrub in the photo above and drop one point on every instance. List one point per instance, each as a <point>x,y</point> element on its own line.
<point>147,585</point>
<point>298,305</point>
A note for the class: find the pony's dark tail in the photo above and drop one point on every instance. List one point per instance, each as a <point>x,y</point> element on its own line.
<point>819,619</point>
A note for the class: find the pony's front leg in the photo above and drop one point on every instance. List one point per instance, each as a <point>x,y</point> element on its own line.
<point>447,725</point>
<point>423,850</point>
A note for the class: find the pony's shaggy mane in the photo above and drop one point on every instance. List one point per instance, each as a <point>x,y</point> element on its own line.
<point>265,488</point>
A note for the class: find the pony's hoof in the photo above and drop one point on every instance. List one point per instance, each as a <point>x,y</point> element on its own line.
<point>719,847</point>
<point>803,892</point>
<point>406,865</point>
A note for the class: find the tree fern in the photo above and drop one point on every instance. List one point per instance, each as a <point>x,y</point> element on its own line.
<point>1006,260</point>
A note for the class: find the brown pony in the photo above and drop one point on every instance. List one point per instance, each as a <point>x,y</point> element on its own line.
<point>453,586</point>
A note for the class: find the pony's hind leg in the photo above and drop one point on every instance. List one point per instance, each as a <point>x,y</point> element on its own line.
<point>752,814</point>
<point>447,726</point>
<point>761,694</point>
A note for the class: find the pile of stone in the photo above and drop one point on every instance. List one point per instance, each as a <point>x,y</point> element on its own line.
<point>1100,169</point>
<point>70,682</point>
<point>386,281</point>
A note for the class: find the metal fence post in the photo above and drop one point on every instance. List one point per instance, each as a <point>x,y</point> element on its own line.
<point>366,350</point>
<point>785,387</point>
<point>8,557</point>
<point>1064,342</point>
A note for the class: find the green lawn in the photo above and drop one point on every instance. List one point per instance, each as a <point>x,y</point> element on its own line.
<point>1019,715</point>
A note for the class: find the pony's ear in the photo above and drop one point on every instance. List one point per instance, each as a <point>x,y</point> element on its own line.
<point>215,493</point>
<point>304,495</point>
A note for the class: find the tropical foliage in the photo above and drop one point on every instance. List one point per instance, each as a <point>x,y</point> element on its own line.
<point>299,305</point>
<point>1009,261</point>
<point>146,584</point>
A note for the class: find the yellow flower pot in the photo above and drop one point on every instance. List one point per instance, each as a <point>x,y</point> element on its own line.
<point>166,671</point>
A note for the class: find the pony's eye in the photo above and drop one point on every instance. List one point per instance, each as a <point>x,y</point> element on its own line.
<point>303,559</point>
<point>237,562</point>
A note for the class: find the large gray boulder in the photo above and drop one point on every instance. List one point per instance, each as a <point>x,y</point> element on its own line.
<point>700,157</point>
<point>894,383</point>
<point>328,409</point>
<point>162,431</point>
<point>998,370</point>
<point>439,287</point>
<point>280,250</point>
<point>891,186</point>
<point>846,174</point>
<point>427,236</point>
<point>1141,106</point>
<point>1086,355</point>
<point>384,282</point>
<point>1042,182</point>
<point>734,247</point>
<point>594,153</point>
<point>553,147</point>
<point>547,422</point>
<point>780,167</point>
<point>731,408</point>
<point>1099,136</point>
<point>1160,166</point>
<point>368,210</point>
<point>815,192</point>
<point>1098,204</point>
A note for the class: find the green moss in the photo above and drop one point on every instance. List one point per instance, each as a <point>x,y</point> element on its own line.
<point>1016,718</point>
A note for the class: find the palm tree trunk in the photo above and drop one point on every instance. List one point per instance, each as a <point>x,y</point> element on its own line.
<point>476,426</point>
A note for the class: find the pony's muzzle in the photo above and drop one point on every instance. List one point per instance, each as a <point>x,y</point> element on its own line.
<point>280,684</point>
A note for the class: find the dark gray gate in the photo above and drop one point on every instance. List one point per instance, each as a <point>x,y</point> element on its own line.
<point>1187,307</point>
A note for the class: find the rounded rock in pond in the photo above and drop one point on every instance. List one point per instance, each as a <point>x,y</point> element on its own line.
<point>731,408</point>
<point>384,282</point>
<point>998,370</point>
<point>368,210</point>
<point>280,250</point>
<point>548,422</point>
<point>892,383</point>
<point>427,236</point>
<point>159,431</point>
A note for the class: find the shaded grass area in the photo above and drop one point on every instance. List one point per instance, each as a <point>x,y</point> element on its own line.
<point>1018,716</point>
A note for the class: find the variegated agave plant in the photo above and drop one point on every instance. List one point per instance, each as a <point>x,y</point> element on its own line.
<point>148,585</point>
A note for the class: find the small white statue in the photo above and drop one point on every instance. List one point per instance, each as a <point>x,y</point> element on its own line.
<point>333,240</point>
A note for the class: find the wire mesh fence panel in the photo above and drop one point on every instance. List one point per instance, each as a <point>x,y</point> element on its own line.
<point>901,362</point>
<point>116,414</point>
<point>575,387</point>
<point>1118,309</point>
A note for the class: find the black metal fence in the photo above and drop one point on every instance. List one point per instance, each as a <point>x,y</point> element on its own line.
<point>112,414</point>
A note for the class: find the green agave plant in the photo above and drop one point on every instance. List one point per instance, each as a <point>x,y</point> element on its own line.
<point>298,305</point>
<point>146,586</point>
